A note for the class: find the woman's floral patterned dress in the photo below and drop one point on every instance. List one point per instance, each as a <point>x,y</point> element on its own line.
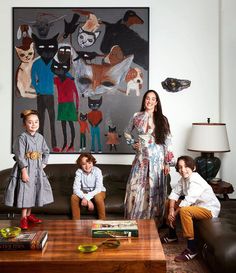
<point>146,188</point>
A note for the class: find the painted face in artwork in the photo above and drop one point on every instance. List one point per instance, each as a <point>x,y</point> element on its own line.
<point>86,38</point>
<point>60,69</point>
<point>25,55</point>
<point>94,104</point>
<point>96,79</point>
<point>112,129</point>
<point>64,53</point>
<point>83,117</point>
<point>46,48</point>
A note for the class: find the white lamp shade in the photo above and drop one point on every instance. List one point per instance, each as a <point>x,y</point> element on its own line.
<point>209,138</point>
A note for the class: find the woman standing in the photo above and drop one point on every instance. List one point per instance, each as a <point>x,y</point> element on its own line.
<point>146,189</point>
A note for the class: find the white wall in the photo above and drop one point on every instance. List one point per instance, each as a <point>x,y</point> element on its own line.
<point>228,90</point>
<point>184,43</point>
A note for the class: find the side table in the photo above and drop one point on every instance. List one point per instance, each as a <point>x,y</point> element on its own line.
<point>222,187</point>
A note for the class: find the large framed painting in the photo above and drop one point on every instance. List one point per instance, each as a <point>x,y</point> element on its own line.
<point>84,70</point>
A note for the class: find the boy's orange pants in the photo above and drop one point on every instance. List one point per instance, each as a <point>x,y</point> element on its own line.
<point>99,202</point>
<point>187,215</point>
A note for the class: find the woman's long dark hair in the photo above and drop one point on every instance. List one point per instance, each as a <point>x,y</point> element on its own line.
<point>162,128</point>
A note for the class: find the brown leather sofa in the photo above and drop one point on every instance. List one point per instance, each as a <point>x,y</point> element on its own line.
<point>61,177</point>
<point>218,239</point>
<point>217,236</point>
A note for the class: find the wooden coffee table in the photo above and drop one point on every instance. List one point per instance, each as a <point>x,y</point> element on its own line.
<point>134,255</point>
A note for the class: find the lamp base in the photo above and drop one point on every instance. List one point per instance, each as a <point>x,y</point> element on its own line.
<point>207,165</point>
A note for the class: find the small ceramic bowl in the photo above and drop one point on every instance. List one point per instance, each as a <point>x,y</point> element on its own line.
<point>87,248</point>
<point>10,232</point>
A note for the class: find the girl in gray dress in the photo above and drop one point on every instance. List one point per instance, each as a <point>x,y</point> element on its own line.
<point>29,186</point>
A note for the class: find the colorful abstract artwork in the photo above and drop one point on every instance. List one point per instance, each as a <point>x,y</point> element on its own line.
<point>84,70</point>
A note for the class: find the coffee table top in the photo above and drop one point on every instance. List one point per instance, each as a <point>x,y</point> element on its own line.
<point>65,235</point>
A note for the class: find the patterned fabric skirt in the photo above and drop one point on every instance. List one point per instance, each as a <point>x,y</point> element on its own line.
<point>146,191</point>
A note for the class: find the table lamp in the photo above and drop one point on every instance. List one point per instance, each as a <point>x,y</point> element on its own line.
<point>208,138</point>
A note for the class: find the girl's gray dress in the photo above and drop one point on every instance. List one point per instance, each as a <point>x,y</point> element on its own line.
<point>36,192</point>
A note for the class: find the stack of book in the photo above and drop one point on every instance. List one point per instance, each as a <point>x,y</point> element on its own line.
<point>114,229</point>
<point>32,240</point>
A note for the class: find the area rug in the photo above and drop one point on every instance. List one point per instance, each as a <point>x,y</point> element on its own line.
<point>196,265</point>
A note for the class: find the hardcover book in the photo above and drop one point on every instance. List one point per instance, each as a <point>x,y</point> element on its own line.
<point>114,229</point>
<point>33,240</point>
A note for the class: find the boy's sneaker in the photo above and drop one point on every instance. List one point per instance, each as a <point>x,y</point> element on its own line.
<point>186,255</point>
<point>33,219</point>
<point>167,240</point>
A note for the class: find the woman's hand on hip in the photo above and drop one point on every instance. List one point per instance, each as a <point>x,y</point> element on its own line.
<point>166,169</point>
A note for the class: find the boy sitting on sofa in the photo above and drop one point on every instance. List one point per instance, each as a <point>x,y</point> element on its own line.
<point>191,198</point>
<point>88,186</point>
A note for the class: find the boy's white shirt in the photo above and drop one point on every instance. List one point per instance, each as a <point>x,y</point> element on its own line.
<point>197,192</point>
<point>92,180</point>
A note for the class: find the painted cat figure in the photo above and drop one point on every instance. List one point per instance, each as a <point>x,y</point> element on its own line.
<point>95,118</point>
<point>46,48</point>
<point>43,82</point>
<point>88,34</point>
<point>112,138</point>
<point>96,79</point>
<point>83,122</point>
<point>87,38</point>
<point>23,73</point>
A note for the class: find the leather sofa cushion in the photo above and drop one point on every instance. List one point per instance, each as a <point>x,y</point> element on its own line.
<point>218,236</point>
